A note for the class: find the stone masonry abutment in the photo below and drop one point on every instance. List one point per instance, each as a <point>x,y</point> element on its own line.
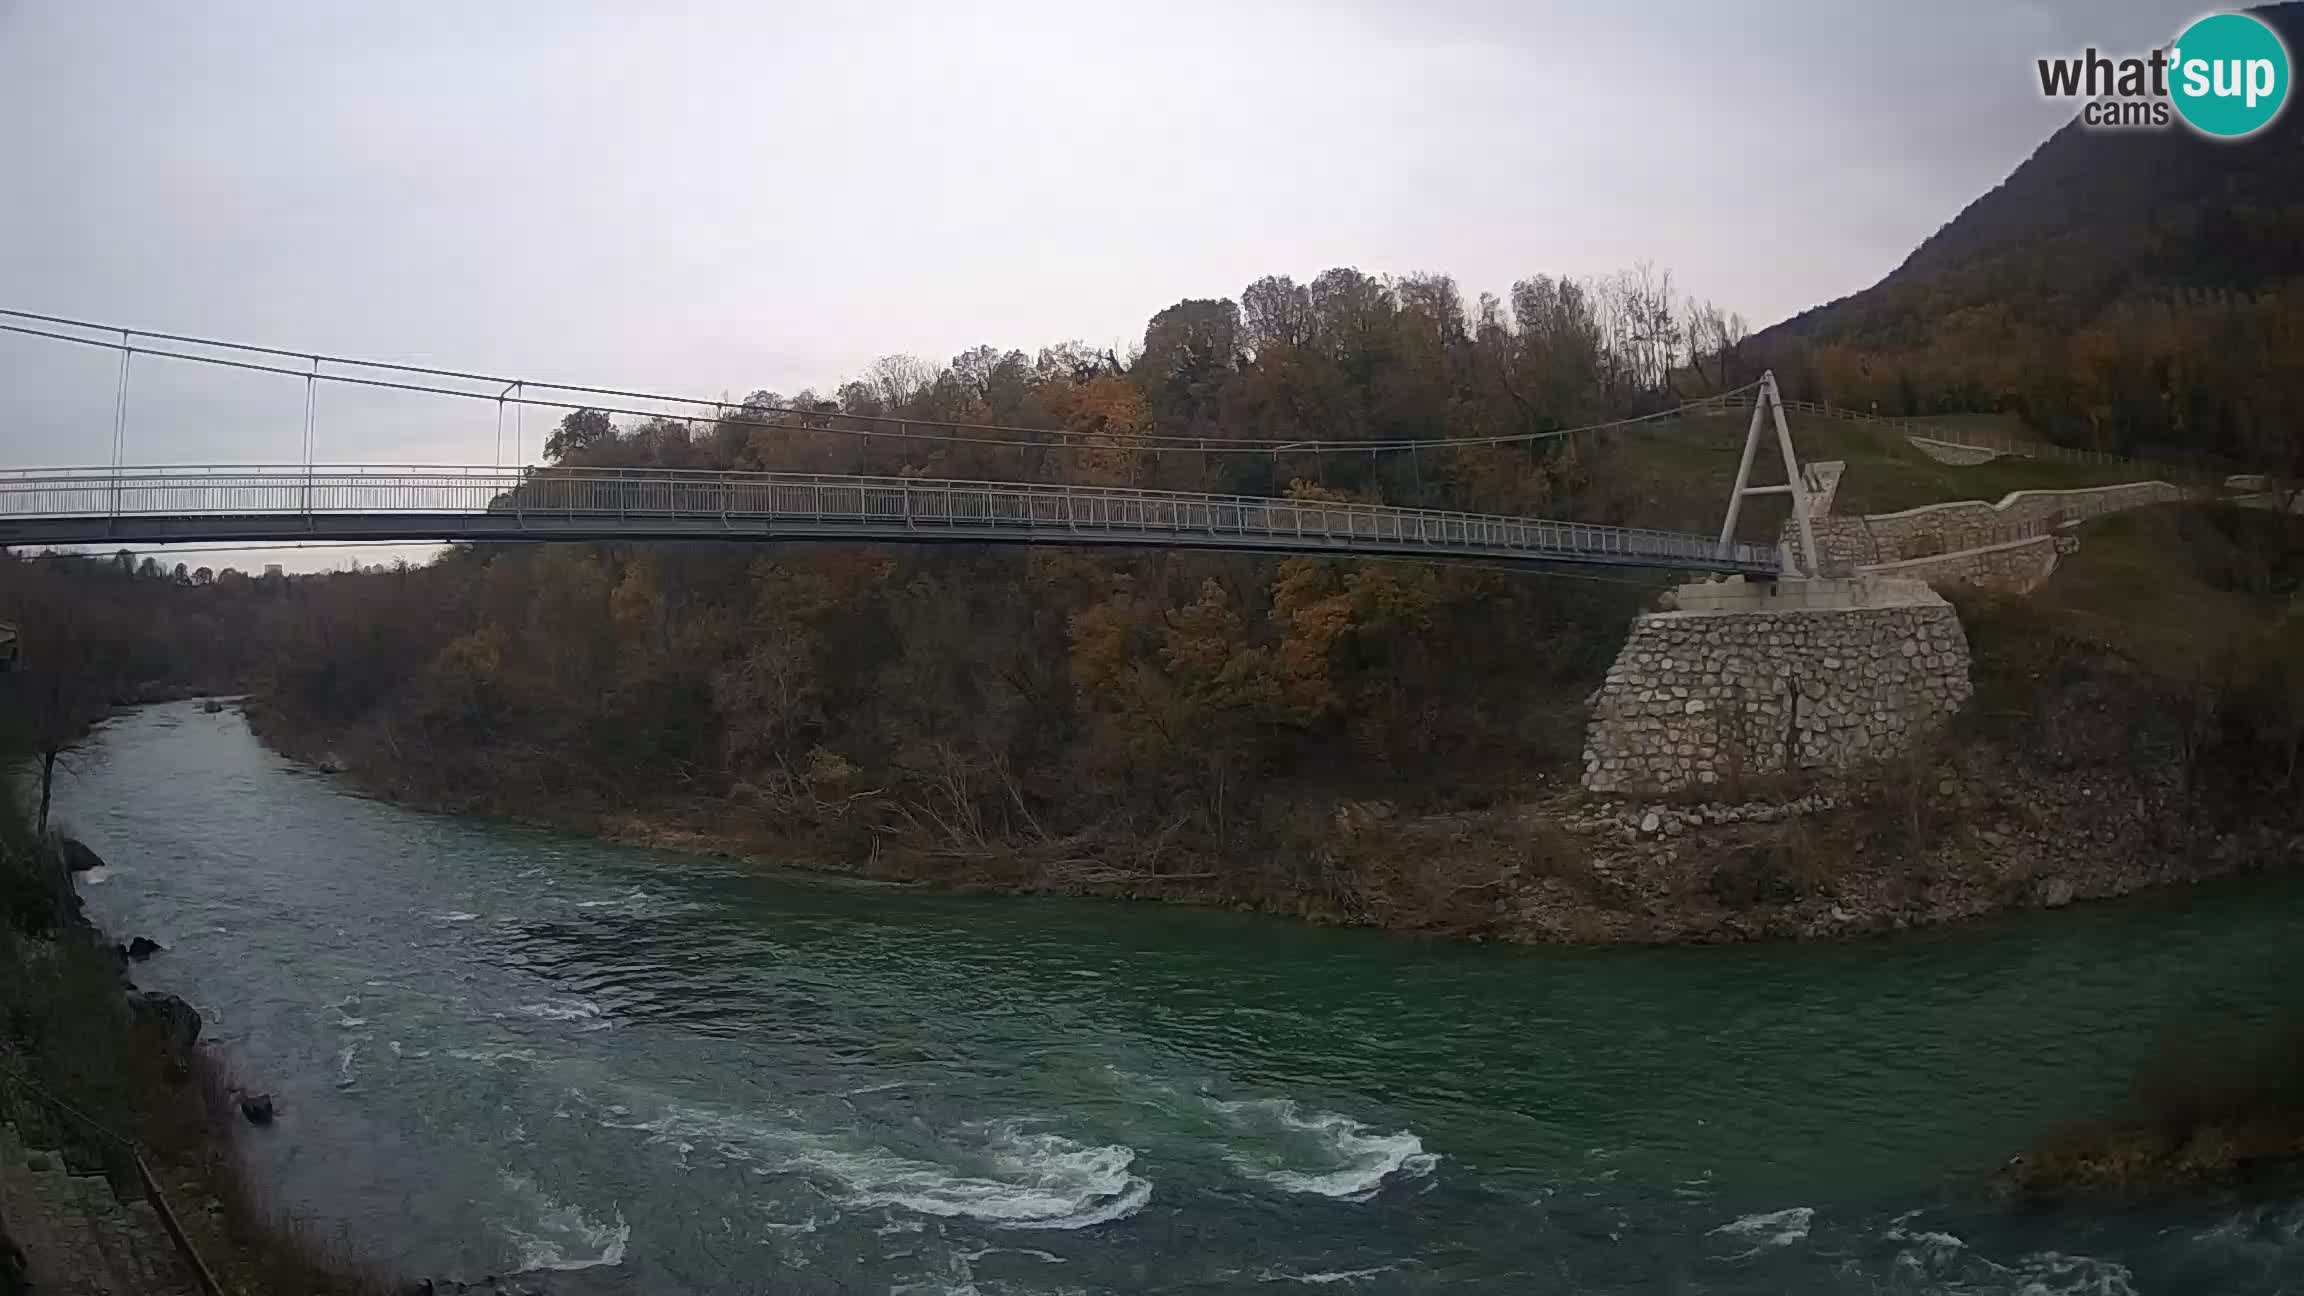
<point>1744,680</point>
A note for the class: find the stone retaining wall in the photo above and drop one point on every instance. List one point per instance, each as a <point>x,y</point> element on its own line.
<point>1822,481</point>
<point>1699,698</point>
<point>2018,567</point>
<point>1854,542</point>
<point>1846,542</point>
<point>1946,528</point>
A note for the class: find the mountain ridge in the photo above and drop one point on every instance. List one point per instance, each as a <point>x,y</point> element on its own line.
<point>2097,239</point>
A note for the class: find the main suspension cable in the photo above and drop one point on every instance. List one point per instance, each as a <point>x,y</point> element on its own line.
<point>771,416</point>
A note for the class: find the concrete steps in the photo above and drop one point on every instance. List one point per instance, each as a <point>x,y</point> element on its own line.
<point>156,1256</point>
<point>79,1237</point>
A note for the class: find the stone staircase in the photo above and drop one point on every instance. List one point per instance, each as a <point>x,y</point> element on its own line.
<point>78,1236</point>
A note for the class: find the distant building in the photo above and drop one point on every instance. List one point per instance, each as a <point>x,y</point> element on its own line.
<point>272,571</point>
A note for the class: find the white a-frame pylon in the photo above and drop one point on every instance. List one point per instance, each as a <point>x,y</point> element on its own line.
<point>1767,400</point>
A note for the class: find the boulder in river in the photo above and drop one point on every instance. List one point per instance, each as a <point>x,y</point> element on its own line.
<point>77,856</point>
<point>257,1108</point>
<point>212,706</point>
<point>175,1023</point>
<point>144,947</point>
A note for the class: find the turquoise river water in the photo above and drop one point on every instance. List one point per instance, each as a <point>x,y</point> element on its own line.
<point>497,1049</point>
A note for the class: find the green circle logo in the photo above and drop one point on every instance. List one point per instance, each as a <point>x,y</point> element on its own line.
<point>2228,75</point>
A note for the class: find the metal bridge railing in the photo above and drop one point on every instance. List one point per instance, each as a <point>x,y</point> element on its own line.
<point>551,498</point>
<point>147,1183</point>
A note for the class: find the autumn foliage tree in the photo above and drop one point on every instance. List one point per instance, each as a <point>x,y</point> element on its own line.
<point>1168,714</point>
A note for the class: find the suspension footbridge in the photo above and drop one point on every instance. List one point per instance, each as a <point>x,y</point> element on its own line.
<point>386,503</point>
<point>125,503</point>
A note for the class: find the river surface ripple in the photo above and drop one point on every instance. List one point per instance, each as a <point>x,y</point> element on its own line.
<point>499,1049</point>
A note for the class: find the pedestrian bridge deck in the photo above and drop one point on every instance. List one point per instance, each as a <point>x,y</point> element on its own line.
<point>98,506</point>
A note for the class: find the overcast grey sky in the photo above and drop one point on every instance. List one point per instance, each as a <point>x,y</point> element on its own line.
<point>719,195</point>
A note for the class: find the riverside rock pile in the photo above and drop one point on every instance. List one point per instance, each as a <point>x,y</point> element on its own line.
<point>1633,820</point>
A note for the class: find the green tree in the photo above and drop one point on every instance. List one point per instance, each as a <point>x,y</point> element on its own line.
<point>1189,350</point>
<point>580,431</point>
<point>73,646</point>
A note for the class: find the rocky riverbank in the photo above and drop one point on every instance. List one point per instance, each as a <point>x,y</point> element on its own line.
<point>1974,826</point>
<point>2216,1105</point>
<point>2152,1154</point>
<point>2087,760</point>
<point>100,1082</point>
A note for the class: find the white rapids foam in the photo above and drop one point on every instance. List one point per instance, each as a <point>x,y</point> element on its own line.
<point>552,1235</point>
<point>1027,1252</point>
<point>2053,1273</point>
<point>1006,1176</point>
<point>567,1010</point>
<point>1327,1154</point>
<point>1924,1248</point>
<point>1323,1279</point>
<point>1771,1230</point>
<point>493,1055</point>
<point>1036,1181</point>
<point>1939,1261</point>
<point>638,903</point>
<point>2267,1232</point>
<point>454,916</point>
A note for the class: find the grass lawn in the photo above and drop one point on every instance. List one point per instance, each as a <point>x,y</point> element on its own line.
<point>2161,582</point>
<point>2195,597</point>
